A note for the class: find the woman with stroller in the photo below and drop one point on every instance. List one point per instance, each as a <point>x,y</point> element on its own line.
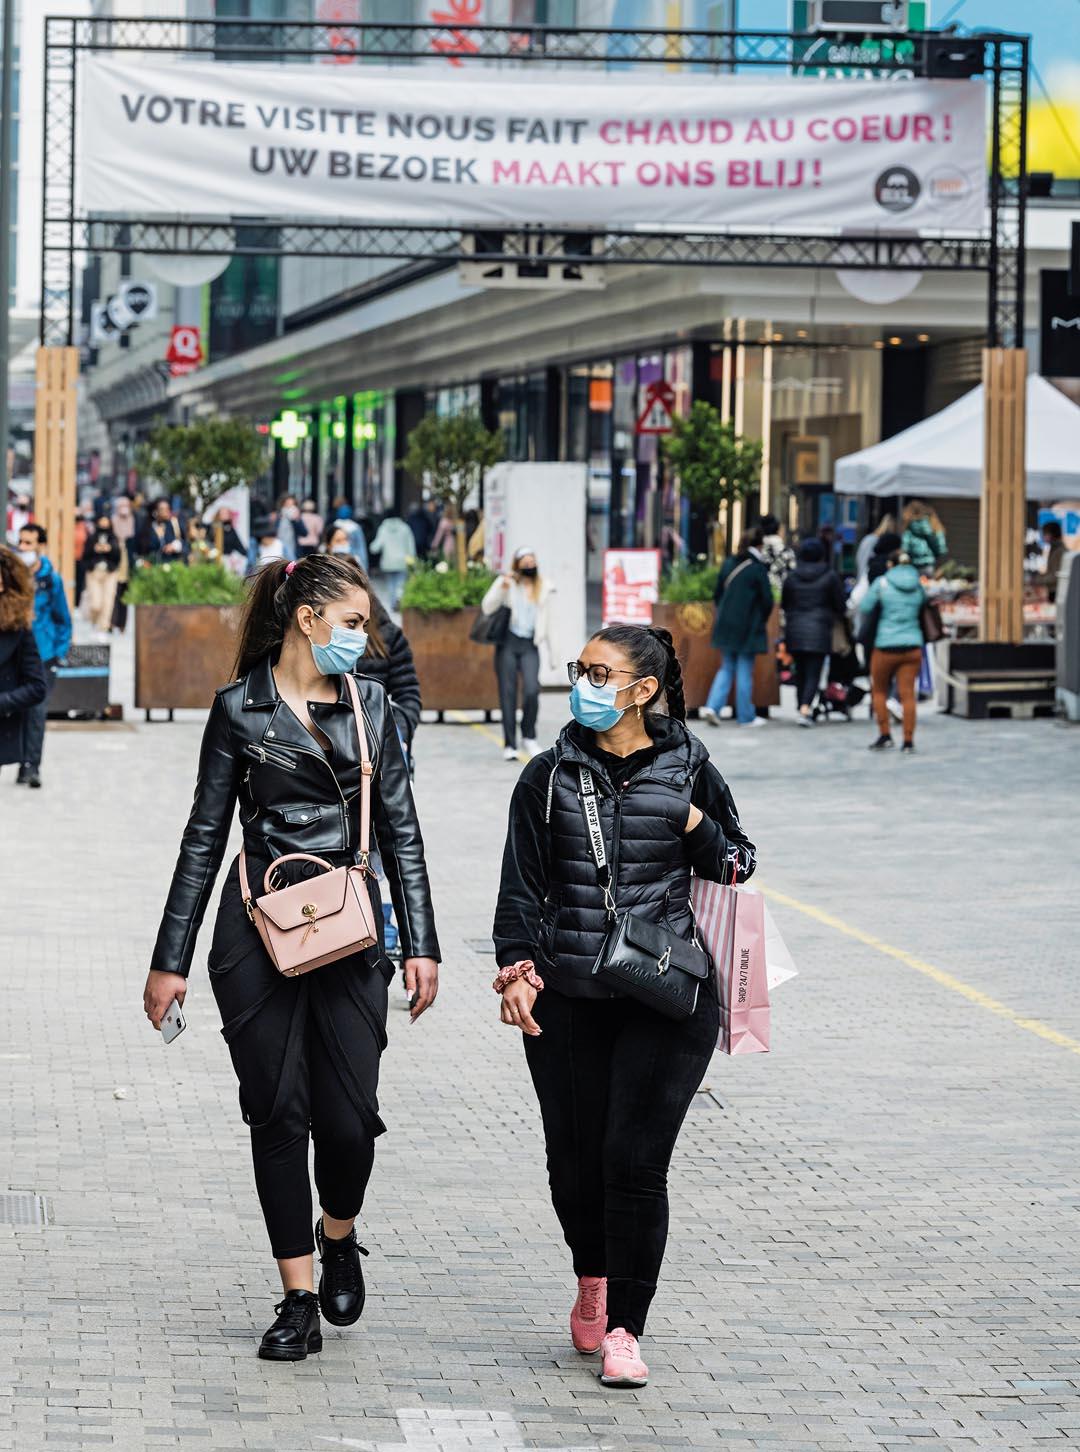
<point>812,599</point>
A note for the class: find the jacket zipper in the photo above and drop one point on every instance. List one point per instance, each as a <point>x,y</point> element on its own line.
<point>269,758</point>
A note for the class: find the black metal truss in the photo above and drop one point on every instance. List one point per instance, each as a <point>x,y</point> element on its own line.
<point>66,235</point>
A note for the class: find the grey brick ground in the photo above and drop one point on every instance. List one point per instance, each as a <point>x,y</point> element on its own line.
<point>874,1228</point>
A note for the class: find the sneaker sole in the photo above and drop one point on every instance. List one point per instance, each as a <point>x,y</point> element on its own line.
<point>273,1353</point>
<point>625,1381</point>
<point>587,1350</point>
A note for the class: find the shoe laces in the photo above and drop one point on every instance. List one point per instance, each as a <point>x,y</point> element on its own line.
<point>340,1263</point>
<point>293,1311</point>
<point>621,1343</point>
<point>589,1300</point>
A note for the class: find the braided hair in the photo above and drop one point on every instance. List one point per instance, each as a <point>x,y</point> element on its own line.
<point>276,592</point>
<point>651,651</point>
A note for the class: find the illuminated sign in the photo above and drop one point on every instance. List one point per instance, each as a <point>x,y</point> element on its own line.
<point>289,428</point>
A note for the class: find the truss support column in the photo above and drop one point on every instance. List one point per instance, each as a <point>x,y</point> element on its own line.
<point>1001,521</point>
<point>55,408</point>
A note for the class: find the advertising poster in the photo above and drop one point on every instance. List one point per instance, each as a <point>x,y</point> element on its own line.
<point>631,586</point>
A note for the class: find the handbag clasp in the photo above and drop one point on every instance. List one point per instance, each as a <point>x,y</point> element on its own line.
<point>664,961</point>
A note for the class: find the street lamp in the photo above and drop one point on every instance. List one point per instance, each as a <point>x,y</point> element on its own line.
<point>6,77</point>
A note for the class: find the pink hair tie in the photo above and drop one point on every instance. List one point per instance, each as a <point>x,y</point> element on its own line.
<point>513,971</point>
<point>290,567</point>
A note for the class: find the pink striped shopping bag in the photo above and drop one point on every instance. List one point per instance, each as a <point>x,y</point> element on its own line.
<point>731,922</point>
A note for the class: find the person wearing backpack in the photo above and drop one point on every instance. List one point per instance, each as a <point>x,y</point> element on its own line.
<point>898,598</point>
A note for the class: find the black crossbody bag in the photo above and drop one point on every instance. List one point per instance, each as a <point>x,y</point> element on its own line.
<point>642,960</point>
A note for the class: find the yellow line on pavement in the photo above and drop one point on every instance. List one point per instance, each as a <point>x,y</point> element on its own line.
<point>483,729</point>
<point>946,980</point>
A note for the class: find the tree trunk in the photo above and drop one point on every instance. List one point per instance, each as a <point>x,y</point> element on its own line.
<point>459,543</point>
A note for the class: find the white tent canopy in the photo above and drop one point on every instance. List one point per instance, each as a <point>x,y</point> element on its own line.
<point>942,457</point>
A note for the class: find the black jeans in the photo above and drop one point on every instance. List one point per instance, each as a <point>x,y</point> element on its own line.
<point>615,1080</point>
<point>306,1052</point>
<point>516,654</point>
<point>33,726</point>
<point>808,664</point>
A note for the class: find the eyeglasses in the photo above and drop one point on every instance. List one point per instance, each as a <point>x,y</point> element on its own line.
<point>597,675</point>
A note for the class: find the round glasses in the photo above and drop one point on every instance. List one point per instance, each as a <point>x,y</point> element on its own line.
<point>596,675</point>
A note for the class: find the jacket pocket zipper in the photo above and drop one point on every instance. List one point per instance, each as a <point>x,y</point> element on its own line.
<point>269,758</point>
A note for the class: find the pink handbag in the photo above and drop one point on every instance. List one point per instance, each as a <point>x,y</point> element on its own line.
<point>731,920</point>
<point>323,918</point>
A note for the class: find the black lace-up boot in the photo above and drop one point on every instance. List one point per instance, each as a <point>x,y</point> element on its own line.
<point>341,1285</point>
<point>296,1330</point>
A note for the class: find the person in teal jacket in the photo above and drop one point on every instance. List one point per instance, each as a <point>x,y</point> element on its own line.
<point>52,634</point>
<point>897,598</point>
<point>924,538</point>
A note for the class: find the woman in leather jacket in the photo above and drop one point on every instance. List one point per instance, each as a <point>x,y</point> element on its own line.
<point>281,741</point>
<point>613,1075</point>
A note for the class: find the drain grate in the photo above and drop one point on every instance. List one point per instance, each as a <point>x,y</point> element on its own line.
<point>23,1207</point>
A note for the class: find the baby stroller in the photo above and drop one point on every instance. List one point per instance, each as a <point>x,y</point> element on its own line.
<point>840,695</point>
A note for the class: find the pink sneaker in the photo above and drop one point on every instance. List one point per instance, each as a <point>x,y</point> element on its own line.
<point>623,1365</point>
<point>588,1319</point>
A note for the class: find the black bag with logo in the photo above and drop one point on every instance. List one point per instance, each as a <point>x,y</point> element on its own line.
<point>642,960</point>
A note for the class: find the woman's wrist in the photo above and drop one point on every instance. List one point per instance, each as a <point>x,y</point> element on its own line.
<point>513,971</point>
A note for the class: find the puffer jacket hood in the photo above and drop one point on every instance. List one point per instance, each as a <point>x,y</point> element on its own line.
<point>900,596</point>
<point>903,577</point>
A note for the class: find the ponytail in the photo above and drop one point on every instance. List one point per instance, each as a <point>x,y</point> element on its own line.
<point>278,589</point>
<point>652,651</point>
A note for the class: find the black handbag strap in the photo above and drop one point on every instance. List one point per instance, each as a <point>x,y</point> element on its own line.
<point>594,830</point>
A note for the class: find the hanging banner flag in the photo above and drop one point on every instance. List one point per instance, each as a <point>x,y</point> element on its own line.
<point>466,148</point>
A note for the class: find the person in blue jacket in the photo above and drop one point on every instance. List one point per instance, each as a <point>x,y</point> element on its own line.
<point>52,634</point>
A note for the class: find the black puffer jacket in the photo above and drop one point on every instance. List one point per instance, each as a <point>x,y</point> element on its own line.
<point>22,684</point>
<point>551,906</point>
<point>812,600</point>
<point>292,799</point>
<point>395,672</point>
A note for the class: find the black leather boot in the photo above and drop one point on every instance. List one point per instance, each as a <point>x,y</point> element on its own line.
<point>341,1285</point>
<point>296,1330</point>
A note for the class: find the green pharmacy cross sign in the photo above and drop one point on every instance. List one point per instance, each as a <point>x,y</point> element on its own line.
<point>289,428</point>
<point>858,56</point>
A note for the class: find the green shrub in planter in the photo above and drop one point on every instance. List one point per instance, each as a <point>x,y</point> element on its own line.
<point>688,583</point>
<point>205,583</point>
<point>437,587</point>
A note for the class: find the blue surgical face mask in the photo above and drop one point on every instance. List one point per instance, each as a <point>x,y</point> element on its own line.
<point>342,651</point>
<point>594,706</point>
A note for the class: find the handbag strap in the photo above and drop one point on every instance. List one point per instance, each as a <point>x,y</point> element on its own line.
<point>594,830</point>
<point>366,771</point>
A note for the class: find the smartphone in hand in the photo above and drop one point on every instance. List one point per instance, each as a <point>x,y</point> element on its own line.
<point>174,1023</point>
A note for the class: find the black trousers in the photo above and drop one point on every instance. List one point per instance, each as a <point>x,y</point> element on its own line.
<point>808,664</point>
<point>517,656</point>
<point>34,719</point>
<point>615,1079</point>
<point>306,1052</point>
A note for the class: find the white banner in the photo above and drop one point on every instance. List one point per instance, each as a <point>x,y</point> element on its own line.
<point>361,144</point>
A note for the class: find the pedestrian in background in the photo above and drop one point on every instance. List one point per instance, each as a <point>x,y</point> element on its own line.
<point>395,545</point>
<point>52,634</point>
<point>267,543</point>
<point>776,553</point>
<point>282,740</point>
<point>898,597</point>
<point>1055,558</point>
<point>423,520</point>
<point>527,595</point>
<point>161,539</point>
<point>354,531</point>
<point>286,526</point>
<point>309,529</point>
<point>868,543</point>
<point>389,660</point>
<point>744,602</point>
<point>923,540</point>
<point>103,559</point>
<point>614,1076</point>
<point>23,684</point>
<point>812,600</point>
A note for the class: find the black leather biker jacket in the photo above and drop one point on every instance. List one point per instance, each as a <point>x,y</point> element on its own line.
<point>294,797</point>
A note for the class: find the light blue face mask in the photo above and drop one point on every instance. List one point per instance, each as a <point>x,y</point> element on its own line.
<point>341,652</point>
<point>594,706</point>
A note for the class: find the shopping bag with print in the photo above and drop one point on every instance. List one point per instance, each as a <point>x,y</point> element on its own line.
<point>731,921</point>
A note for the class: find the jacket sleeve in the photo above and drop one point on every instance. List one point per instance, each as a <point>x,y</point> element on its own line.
<point>62,617</point>
<point>403,682</point>
<point>496,596</point>
<point>401,846</point>
<point>525,867</point>
<point>786,593</point>
<point>31,687</point>
<point>837,603</point>
<point>718,840</point>
<point>871,598</point>
<point>202,846</point>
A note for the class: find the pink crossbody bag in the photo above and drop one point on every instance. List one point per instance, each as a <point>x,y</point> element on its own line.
<point>323,918</point>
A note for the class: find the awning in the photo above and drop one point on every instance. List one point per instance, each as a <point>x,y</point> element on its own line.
<point>942,456</point>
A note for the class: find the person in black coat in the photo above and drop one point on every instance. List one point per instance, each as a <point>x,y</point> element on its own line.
<point>812,600</point>
<point>22,676</point>
<point>389,660</point>
<point>887,544</point>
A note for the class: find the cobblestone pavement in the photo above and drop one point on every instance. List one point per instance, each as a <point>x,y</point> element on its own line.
<point>874,1228</point>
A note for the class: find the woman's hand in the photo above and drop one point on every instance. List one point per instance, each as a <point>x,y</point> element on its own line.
<point>421,983</point>
<point>517,1001</point>
<point>695,819</point>
<point>160,990</point>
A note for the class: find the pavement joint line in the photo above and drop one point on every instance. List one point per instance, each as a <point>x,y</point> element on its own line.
<point>483,729</point>
<point>929,970</point>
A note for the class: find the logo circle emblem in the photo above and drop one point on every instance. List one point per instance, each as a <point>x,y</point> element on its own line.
<point>695,617</point>
<point>897,189</point>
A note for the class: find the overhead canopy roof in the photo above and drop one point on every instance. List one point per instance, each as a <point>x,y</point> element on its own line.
<point>942,456</point>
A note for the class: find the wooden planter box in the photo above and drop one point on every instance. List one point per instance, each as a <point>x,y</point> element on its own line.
<point>182,654</point>
<point>691,628</point>
<point>455,673</point>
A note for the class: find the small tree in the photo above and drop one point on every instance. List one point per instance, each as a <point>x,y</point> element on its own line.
<point>453,453</point>
<point>201,460</point>
<point>715,465</point>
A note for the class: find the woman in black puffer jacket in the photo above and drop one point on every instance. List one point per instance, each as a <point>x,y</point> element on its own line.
<point>389,660</point>
<point>813,601</point>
